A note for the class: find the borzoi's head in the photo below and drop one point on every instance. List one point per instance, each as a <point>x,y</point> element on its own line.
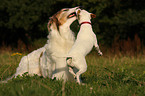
<point>83,15</point>
<point>63,17</point>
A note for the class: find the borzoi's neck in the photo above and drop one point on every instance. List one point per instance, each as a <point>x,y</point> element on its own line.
<point>62,40</point>
<point>64,29</point>
<point>66,32</point>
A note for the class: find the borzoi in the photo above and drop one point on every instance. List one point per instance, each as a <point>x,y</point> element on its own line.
<point>61,40</point>
<point>86,39</point>
<point>44,61</point>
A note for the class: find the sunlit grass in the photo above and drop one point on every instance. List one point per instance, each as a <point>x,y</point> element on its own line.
<point>108,75</point>
<point>8,63</point>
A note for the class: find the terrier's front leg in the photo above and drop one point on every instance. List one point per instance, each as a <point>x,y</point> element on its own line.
<point>97,48</point>
<point>99,52</point>
<point>72,72</point>
<point>70,66</point>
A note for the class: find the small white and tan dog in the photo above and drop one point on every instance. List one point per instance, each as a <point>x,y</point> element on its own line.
<point>85,41</point>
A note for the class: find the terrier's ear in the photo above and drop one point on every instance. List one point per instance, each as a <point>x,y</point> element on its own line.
<point>78,12</point>
<point>93,15</point>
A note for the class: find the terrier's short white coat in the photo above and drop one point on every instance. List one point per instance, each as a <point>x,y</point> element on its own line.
<point>85,41</point>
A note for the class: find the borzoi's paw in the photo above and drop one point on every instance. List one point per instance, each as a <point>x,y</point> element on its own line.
<point>53,77</point>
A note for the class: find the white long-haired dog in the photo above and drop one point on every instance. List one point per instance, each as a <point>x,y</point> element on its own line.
<point>61,40</point>
<point>85,41</point>
<point>44,61</point>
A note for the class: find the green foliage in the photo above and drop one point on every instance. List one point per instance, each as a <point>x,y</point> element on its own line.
<point>23,13</point>
<point>24,19</point>
<point>27,19</point>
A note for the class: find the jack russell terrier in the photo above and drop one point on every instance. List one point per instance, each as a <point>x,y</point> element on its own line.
<point>85,41</point>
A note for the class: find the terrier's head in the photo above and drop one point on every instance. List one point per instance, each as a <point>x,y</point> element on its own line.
<point>83,15</point>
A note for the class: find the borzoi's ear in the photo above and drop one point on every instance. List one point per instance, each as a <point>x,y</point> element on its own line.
<point>49,24</point>
<point>93,15</point>
<point>54,23</point>
<point>57,23</point>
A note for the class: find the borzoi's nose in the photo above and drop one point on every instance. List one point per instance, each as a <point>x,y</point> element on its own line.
<point>80,7</point>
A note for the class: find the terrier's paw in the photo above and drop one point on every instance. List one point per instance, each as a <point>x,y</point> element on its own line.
<point>100,53</point>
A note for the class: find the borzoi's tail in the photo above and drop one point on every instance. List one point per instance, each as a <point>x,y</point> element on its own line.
<point>6,81</point>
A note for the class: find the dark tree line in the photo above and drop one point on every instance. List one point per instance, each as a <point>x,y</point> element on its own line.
<point>26,20</point>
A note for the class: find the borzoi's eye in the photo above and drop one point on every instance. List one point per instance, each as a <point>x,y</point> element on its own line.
<point>65,9</point>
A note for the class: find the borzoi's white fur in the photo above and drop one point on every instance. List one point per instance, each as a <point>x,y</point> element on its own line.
<point>44,61</point>
<point>59,44</point>
<point>86,39</point>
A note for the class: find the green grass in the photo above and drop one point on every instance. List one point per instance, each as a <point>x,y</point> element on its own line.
<point>105,76</point>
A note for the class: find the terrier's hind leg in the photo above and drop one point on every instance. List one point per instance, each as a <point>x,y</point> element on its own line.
<point>82,68</point>
<point>78,75</point>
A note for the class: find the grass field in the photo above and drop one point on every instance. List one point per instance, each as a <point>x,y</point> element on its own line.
<point>105,76</point>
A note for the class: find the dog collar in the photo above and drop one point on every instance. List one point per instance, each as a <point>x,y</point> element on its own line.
<point>85,23</point>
